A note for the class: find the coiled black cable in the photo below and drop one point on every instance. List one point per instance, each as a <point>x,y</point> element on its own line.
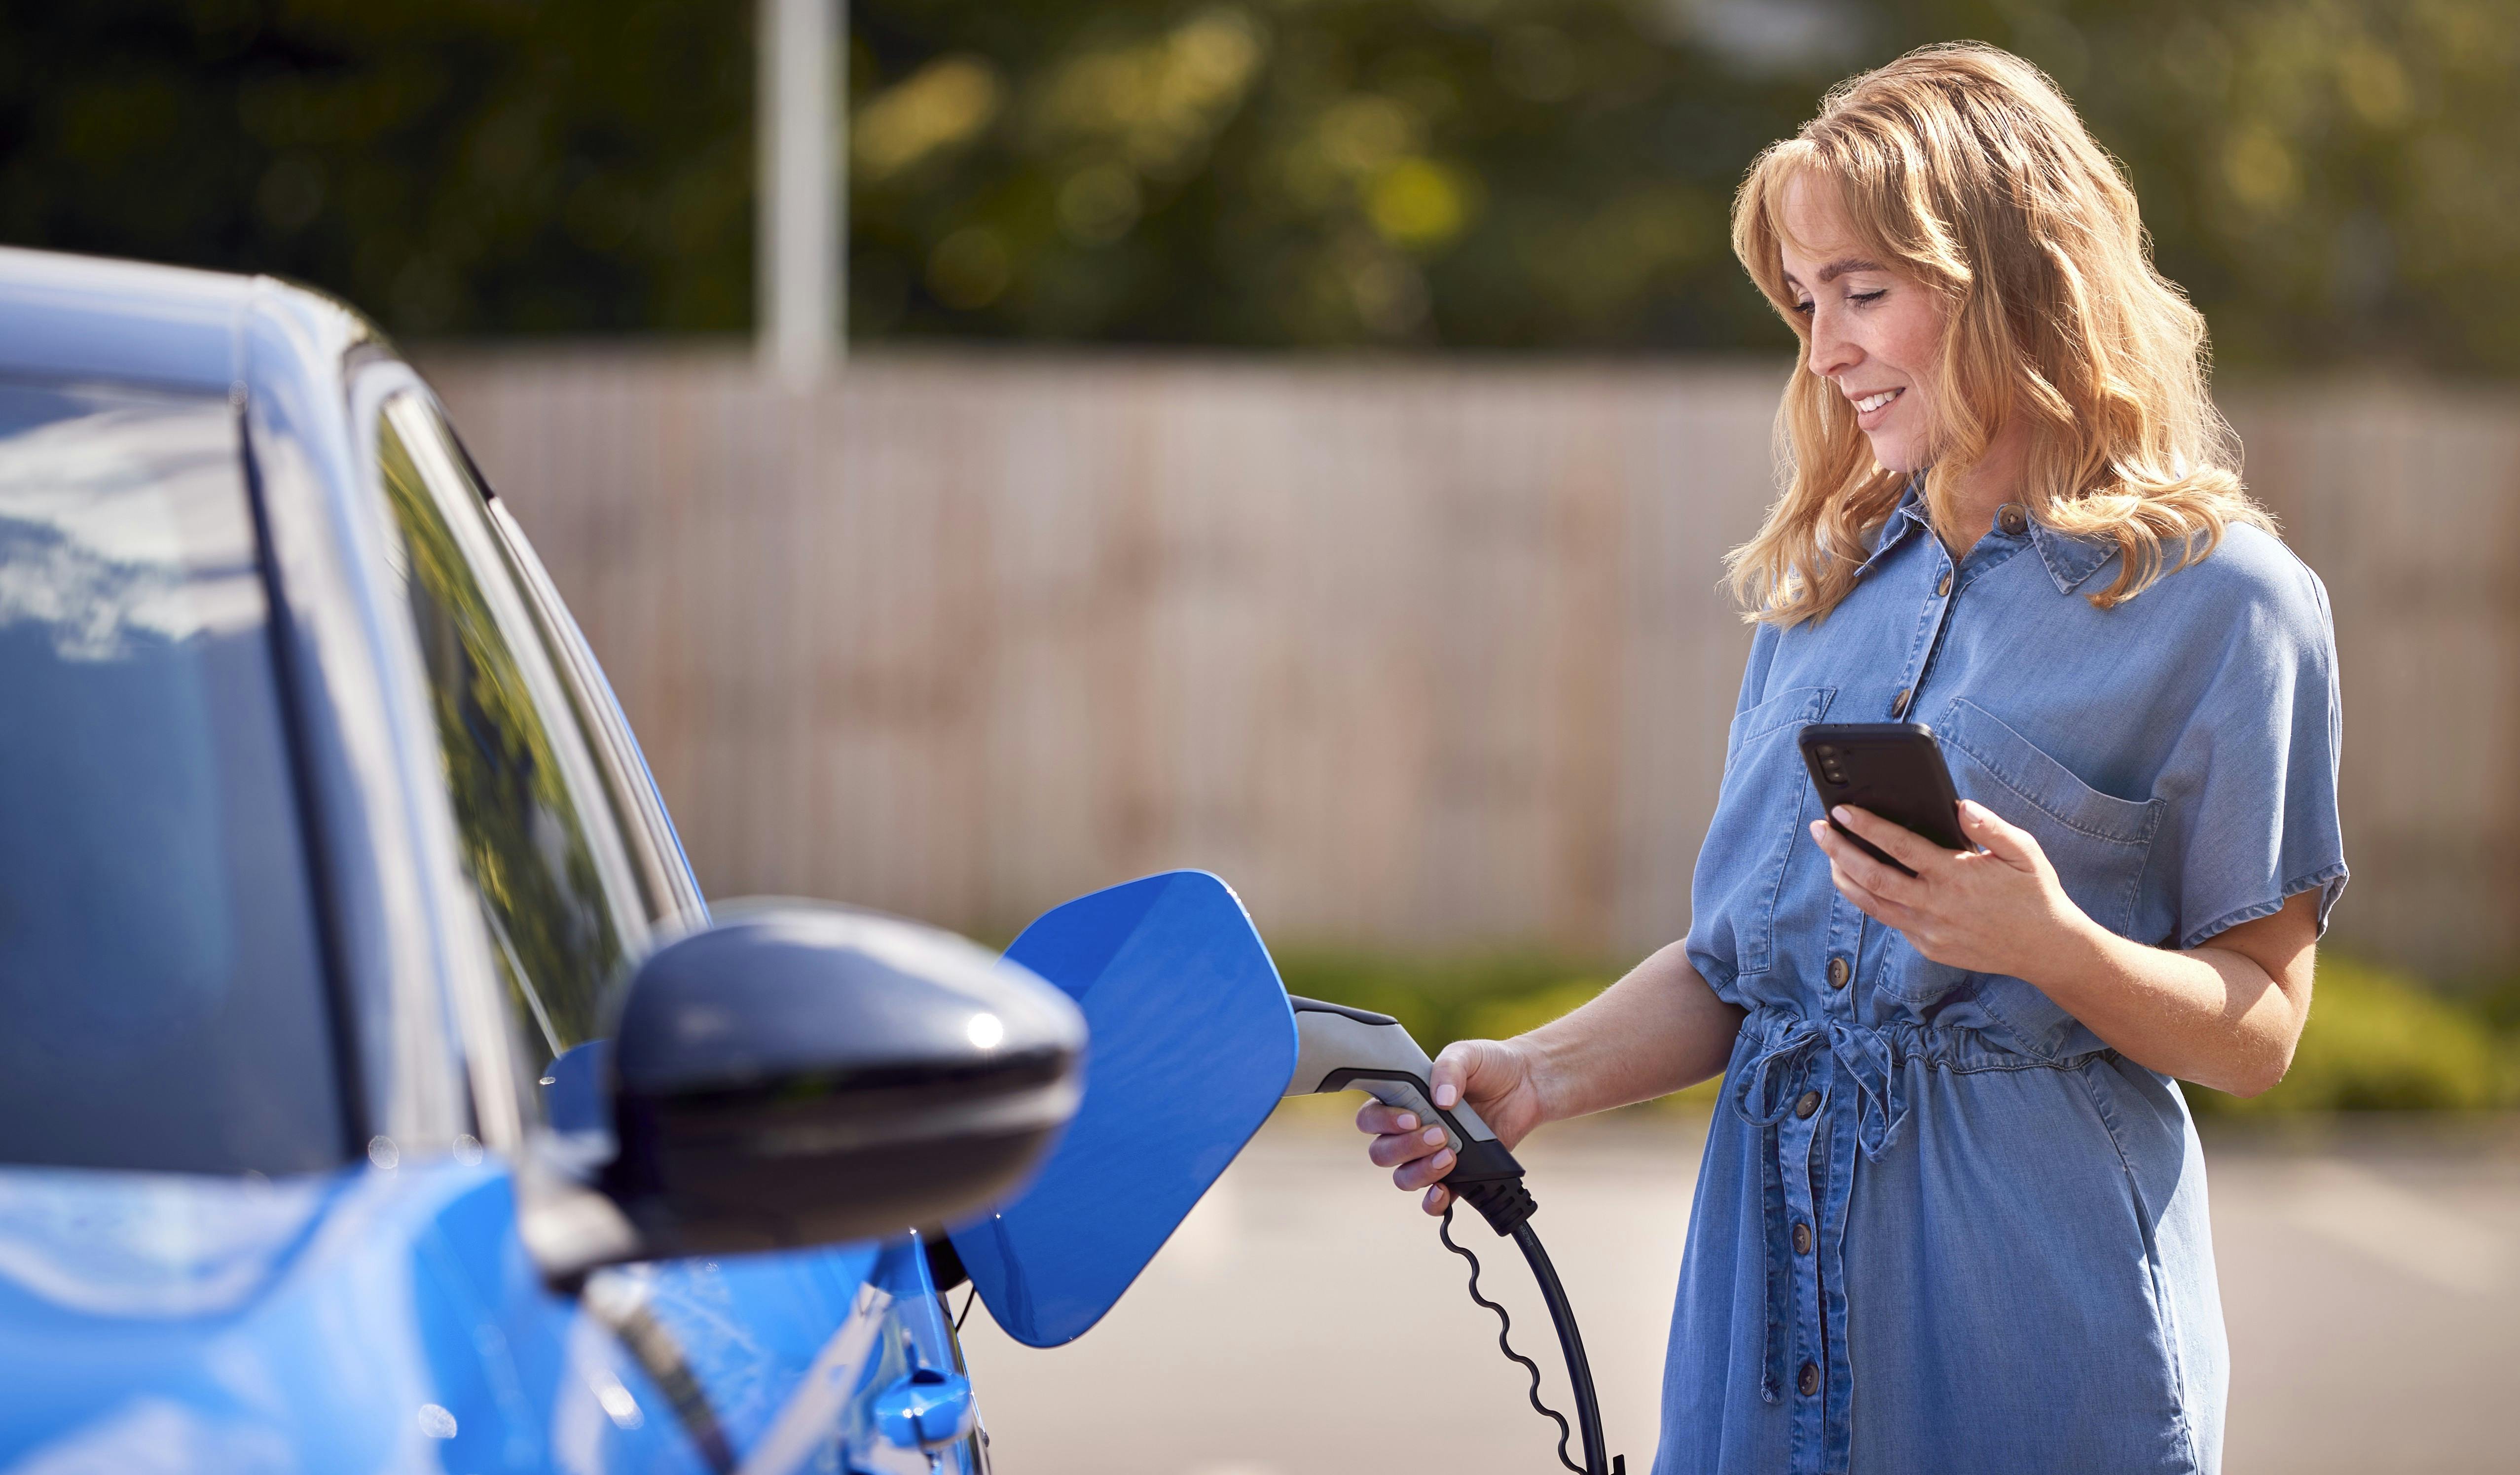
<point>1504,1324</point>
<point>1579,1370</point>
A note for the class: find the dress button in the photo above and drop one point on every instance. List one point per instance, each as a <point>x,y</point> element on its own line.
<point>1802,1239</point>
<point>1899,703</point>
<point>1839,972</point>
<point>1808,1380</point>
<point>2013,518</point>
<point>1809,1103</point>
<point>1943,590</point>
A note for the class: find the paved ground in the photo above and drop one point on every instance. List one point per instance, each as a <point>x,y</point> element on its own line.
<point>1305,1318</point>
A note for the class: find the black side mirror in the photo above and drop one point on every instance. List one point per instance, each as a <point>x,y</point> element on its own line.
<point>804,1075</point>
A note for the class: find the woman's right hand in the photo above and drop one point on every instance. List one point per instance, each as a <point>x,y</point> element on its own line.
<point>1496,1077</point>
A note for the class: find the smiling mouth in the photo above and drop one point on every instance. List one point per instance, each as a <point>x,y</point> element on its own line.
<point>1872,402</point>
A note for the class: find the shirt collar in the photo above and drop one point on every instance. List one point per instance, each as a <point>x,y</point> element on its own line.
<point>1905,518</point>
<point>2069,558</point>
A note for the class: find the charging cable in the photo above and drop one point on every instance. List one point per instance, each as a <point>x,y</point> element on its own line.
<point>1343,1048</point>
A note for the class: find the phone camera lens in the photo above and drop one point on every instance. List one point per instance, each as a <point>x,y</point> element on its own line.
<point>1826,751</point>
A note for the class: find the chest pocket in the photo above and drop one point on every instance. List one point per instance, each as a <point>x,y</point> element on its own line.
<point>1758,820</point>
<point>2100,844</point>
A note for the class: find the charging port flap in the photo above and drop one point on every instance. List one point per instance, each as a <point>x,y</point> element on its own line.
<point>1189,1042</point>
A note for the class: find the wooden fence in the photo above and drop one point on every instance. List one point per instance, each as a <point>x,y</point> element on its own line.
<point>1415,653</point>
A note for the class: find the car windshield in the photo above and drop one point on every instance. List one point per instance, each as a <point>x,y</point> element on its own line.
<point>162,993</point>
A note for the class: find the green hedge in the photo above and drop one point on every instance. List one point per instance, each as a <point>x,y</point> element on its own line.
<point>1486,996</point>
<point>2377,1040</point>
<point>2383,1040</point>
<point>1443,997</point>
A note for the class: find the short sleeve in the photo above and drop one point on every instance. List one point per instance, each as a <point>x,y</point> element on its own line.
<point>1754,677</point>
<point>1714,940</point>
<point>2251,780</point>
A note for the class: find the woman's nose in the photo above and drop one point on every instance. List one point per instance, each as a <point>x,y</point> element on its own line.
<point>1831,352</point>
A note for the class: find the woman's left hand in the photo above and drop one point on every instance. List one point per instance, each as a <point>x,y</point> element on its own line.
<point>1995,911</point>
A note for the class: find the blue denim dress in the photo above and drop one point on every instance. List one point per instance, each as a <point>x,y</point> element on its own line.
<point>1939,1225</point>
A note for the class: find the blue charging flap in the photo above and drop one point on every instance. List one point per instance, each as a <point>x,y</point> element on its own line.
<point>1190,1044</point>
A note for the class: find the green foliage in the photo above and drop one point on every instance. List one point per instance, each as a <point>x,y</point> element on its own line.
<point>1468,997</point>
<point>1502,1019</point>
<point>1333,172</point>
<point>1442,999</point>
<point>2379,1041</point>
<point>2332,180</point>
<point>450,165</point>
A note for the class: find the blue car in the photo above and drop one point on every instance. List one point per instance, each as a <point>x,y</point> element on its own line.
<point>376,1089</point>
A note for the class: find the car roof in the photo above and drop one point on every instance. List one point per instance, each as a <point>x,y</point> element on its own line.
<point>86,317</point>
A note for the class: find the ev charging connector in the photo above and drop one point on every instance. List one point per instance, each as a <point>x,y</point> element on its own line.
<point>1339,1048</point>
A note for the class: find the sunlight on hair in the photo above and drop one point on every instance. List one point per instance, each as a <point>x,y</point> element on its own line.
<point>1964,169</point>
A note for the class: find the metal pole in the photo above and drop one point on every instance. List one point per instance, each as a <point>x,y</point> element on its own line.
<point>837,137</point>
<point>801,229</point>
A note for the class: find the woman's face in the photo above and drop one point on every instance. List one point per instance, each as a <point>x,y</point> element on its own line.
<point>1874,333</point>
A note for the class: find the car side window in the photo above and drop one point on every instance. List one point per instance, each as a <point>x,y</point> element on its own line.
<point>163,1004</point>
<point>547,866</point>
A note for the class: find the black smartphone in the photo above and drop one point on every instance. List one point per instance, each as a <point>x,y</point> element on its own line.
<point>1892,769</point>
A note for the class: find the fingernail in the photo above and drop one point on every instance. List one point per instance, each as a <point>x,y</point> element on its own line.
<point>1445,1096</point>
<point>1434,1136</point>
<point>1843,814</point>
<point>1444,1161</point>
<point>1408,1121</point>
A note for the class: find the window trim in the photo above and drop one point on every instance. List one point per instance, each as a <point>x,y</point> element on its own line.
<point>506,1106</point>
<point>293,679</point>
<point>468,973</point>
<point>675,901</point>
<point>476,535</point>
<point>672,893</point>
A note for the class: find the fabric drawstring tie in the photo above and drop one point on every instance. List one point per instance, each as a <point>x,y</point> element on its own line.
<point>1763,1094</point>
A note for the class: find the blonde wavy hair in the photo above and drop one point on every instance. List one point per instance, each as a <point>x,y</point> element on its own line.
<point>1963,168</point>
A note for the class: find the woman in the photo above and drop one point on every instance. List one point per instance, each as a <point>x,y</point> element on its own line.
<point>1952,1216</point>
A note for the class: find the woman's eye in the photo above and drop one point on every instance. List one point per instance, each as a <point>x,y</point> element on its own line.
<point>1874,296</point>
<point>1804,307</point>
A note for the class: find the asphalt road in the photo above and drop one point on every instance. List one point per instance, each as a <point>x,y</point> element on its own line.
<point>1306,1320</point>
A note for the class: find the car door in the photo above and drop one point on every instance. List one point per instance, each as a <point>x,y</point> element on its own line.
<point>898,1331</point>
<point>769,1358</point>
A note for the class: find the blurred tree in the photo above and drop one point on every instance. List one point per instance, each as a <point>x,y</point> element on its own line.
<point>2331,179</point>
<point>2334,180</point>
<point>451,166</point>
<point>1467,172</point>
